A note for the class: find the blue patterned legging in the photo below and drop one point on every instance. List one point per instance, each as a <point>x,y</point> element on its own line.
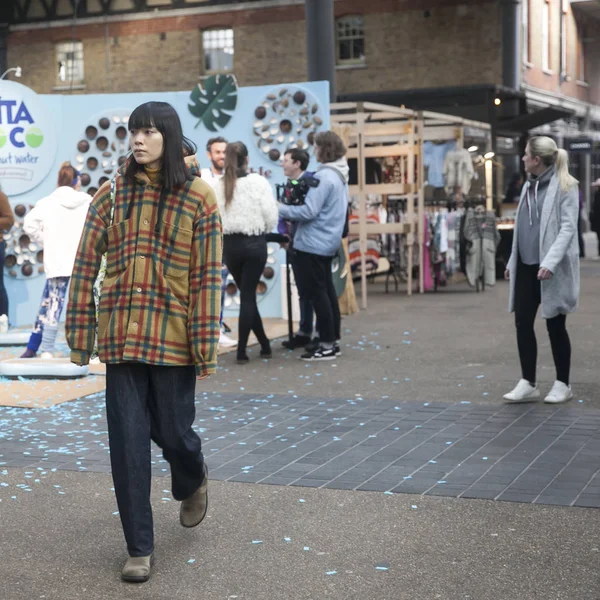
<point>53,299</point>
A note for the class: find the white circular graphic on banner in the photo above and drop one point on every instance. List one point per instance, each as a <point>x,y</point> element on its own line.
<point>27,139</point>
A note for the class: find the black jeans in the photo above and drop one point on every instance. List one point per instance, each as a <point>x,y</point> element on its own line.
<point>317,282</point>
<point>3,294</point>
<point>306,306</point>
<point>245,257</point>
<point>145,402</point>
<point>528,297</point>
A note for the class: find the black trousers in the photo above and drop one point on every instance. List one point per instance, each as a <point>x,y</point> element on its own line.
<point>145,402</point>
<point>245,257</point>
<point>317,282</point>
<point>528,297</point>
<point>306,306</point>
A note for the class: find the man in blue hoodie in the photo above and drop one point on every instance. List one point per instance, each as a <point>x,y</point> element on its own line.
<point>320,225</point>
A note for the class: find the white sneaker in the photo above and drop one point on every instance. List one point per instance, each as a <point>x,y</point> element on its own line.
<point>524,392</point>
<point>226,341</point>
<point>560,392</point>
<point>47,355</point>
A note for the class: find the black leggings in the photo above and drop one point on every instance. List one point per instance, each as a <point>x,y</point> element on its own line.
<point>528,297</point>
<point>317,283</point>
<point>245,257</point>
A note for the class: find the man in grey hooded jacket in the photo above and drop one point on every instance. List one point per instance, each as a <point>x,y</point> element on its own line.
<point>321,221</point>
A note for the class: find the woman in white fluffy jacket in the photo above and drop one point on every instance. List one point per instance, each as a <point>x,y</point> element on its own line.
<point>248,212</point>
<point>544,265</point>
<point>56,222</point>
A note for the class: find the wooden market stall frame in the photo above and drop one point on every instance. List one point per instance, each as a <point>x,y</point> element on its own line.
<point>379,131</point>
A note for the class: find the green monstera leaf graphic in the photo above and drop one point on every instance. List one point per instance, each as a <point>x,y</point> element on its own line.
<point>213,102</point>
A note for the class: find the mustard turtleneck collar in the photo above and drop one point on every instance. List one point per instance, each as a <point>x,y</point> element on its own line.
<point>153,174</point>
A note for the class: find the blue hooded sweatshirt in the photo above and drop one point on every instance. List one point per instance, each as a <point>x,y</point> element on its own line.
<point>322,217</point>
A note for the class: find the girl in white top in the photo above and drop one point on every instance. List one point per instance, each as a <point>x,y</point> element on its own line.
<point>56,222</point>
<point>248,212</point>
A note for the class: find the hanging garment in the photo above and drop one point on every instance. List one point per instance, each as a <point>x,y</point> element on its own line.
<point>434,156</point>
<point>452,256</point>
<point>482,238</point>
<point>458,170</point>
<point>427,275</point>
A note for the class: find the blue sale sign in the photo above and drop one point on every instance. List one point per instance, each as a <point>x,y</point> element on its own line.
<point>27,139</point>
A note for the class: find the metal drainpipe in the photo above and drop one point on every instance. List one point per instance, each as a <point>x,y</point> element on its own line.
<point>511,58</point>
<point>320,42</point>
<point>511,43</point>
<point>3,48</point>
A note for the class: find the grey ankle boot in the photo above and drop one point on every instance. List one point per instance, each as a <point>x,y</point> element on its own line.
<point>193,509</point>
<point>137,569</point>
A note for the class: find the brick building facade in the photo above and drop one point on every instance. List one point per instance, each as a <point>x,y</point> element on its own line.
<point>456,43</point>
<point>389,47</point>
<point>406,44</point>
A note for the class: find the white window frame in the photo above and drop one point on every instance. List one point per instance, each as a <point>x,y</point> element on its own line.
<point>70,62</point>
<point>526,33</point>
<point>546,36</point>
<point>219,41</point>
<point>564,38</point>
<point>353,31</point>
<point>581,70</point>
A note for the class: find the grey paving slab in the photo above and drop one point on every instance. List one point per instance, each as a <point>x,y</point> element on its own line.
<point>315,544</point>
<point>528,453</point>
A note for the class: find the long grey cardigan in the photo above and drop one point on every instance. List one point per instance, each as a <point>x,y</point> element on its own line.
<point>559,250</point>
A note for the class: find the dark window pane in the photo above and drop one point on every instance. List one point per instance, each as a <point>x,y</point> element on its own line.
<point>359,49</point>
<point>345,50</point>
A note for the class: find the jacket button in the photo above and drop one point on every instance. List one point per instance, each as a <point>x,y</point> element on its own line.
<point>135,324</point>
<point>142,257</point>
<point>139,289</point>
<point>146,221</point>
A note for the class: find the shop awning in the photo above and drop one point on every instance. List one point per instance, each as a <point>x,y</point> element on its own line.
<point>591,8</point>
<point>471,102</point>
<point>524,123</point>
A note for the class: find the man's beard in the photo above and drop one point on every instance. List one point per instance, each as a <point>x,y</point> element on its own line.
<point>216,167</point>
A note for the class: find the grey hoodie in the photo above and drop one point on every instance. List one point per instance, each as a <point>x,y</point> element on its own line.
<point>529,217</point>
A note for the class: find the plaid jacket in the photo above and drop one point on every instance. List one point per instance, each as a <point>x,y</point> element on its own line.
<point>161,298</point>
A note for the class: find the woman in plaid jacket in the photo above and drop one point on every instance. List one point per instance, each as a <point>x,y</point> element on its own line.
<point>158,318</point>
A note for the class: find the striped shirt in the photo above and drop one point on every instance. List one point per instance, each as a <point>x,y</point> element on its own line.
<point>161,297</point>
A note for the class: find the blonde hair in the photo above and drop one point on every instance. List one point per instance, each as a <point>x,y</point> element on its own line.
<point>550,154</point>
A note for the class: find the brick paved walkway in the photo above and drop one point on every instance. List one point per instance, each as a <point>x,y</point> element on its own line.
<point>523,453</point>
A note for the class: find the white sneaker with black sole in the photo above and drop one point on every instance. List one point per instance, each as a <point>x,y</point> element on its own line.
<point>523,392</point>
<point>320,354</point>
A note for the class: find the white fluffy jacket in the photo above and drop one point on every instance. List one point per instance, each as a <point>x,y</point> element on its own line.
<point>56,222</point>
<point>253,209</point>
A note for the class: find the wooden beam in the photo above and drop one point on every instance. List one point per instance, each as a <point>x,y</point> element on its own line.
<point>380,228</point>
<point>383,151</point>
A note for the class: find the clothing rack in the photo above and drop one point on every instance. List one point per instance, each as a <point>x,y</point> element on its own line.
<point>378,131</point>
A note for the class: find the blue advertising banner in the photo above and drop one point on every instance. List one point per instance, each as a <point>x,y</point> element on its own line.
<point>38,133</point>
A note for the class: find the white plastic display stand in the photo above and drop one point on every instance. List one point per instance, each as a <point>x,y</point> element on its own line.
<point>14,338</point>
<point>51,368</point>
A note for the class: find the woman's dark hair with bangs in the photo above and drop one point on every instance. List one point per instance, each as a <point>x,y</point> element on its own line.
<point>176,146</point>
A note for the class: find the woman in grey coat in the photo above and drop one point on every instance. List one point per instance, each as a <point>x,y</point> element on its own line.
<point>544,265</point>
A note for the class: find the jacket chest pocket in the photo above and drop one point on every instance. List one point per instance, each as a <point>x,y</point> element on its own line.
<point>121,247</point>
<point>176,248</point>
